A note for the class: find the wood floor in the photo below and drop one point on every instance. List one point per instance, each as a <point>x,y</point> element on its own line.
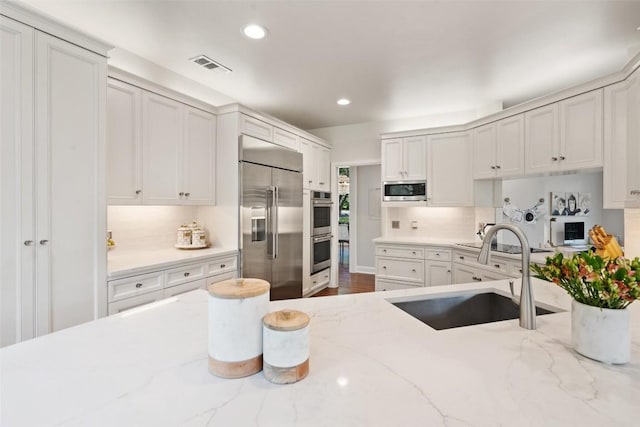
<point>349,283</point>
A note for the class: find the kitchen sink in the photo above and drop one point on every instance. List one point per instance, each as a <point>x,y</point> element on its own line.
<point>465,309</point>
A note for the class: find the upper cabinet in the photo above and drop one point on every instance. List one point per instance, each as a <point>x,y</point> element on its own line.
<point>404,159</point>
<point>159,151</point>
<point>450,165</point>
<point>617,99</point>
<point>633,142</point>
<point>499,148</point>
<point>286,139</point>
<point>566,135</point>
<point>316,166</point>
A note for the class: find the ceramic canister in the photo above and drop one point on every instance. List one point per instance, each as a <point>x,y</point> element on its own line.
<point>184,236</point>
<point>286,346</point>
<point>198,237</point>
<point>236,310</point>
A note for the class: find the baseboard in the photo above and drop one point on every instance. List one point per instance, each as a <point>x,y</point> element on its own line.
<point>365,270</point>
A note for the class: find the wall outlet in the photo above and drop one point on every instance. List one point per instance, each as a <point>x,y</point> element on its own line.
<point>395,224</point>
<point>414,225</point>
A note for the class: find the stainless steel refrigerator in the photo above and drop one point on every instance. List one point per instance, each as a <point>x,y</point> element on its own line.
<point>271,216</point>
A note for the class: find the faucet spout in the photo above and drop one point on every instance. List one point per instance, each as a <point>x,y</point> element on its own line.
<point>527,303</point>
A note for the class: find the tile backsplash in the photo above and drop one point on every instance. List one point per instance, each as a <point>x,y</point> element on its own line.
<point>148,227</point>
<point>435,223</point>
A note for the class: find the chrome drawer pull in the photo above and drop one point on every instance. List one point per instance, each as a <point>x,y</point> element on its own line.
<point>187,274</point>
<point>138,285</point>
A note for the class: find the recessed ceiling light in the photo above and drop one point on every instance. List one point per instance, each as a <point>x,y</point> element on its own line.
<point>343,101</point>
<point>254,31</point>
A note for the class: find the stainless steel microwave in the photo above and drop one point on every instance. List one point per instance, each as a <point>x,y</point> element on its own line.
<point>405,191</point>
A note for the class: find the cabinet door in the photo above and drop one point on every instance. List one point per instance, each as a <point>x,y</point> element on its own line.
<point>17,311</point>
<point>581,131</point>
<point>464,274</point>
<point>614,171</point>
<point>386,285</point>
<point>324,168</point>
<point>184,288</point>
<point>124,143</point>
<point>488,276</point>
<point>510,146</point>
<point>438,273</point>
<point>162,133</point>
<point>285,138</point>
<point>400,269</point>
<point>450,181</point>
<point>484,151</point>
<point>135,302</point>
<point>633,143</point>
<point>70,164</point>
<point>415,158</point>
<point>199,151</point>
<point>392,158</point>
<point>255,127</point>
<point>309,163</point>
<point>542,139</point>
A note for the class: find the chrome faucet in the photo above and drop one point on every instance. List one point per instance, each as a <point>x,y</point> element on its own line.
<point>527,304</point>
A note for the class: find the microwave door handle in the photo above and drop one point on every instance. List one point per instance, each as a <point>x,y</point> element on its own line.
<point>275,208</point>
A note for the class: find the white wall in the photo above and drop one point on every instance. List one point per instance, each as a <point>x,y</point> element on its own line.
<point>368,213</point>
<point>457,224</point>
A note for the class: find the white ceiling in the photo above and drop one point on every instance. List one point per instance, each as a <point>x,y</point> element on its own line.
<point>392,59</point>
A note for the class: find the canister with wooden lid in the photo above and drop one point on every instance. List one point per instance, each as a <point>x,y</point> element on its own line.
<point>286,346</point>
<point>236,310</point>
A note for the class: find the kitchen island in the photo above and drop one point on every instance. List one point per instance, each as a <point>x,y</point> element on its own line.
<point>371,364</point>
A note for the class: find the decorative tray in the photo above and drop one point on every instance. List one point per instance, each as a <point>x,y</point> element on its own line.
<point>191,246</point>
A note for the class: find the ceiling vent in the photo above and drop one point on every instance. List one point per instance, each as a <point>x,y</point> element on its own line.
<point>210,64</point>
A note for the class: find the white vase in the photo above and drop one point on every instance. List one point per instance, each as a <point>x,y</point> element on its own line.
<point>601,333</point>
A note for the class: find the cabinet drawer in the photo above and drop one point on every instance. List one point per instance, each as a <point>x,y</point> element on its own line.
<point>257,128</point>
<point>498,266</point>
<point>438,254</point>
<point>220,277</point>
<point>136,285</point>
<point>185,274</point>
<point>464,257</point>
<point>400,269</point>
<point>185,287</point>
<point>134,302</point>
<point>285,138</point>
<point>400,252</point>
<point>222,265</point>
<point>385,285</point>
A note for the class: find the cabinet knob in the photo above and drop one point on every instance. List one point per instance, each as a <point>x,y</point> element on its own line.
<point>385,251</point>
<point>554,159</point>
<point>496,265</point>
<point>44,242</point>
<point>138,191</point>
<point>413,269</point>
<point>413,252</point>
<point>30,242</point>
<point>477,279</point>
<point>562,157</point>
<point>138,285</point>
<point>448,271</point>
<point>223,265</point>
<point>321,183</point>
<point>384,267</point>
<point>187,274</point>
<point>493,167</point>
<point>634,192</point>
<point>497,166</point>
<point>187,194</point>
<point>437,254</point>
<point>181,193</point>
<point>461,257</point>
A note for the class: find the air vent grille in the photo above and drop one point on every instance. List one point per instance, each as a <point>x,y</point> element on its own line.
<point>210,64</point>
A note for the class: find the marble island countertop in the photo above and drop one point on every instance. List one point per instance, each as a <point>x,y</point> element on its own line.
<point>371,364</point>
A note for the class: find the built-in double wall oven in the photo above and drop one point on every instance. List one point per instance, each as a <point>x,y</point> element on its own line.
<point>320,231</point>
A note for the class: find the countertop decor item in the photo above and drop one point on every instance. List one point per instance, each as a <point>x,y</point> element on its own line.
<point>602,289</point>
<point>286,346</point>
<point>606,244</point>
<point>236,310</point>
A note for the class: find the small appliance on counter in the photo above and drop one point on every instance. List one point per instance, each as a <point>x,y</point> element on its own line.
<point>191,236</point>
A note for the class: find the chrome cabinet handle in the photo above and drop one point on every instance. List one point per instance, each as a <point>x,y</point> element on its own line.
<point>634,192</point>
<point>562,157</point>
<point>496,265</point>
<point>321,183</point>
<point>493,167</point>
<point>477,279</point>
<point>187,274</point>
<point>181,193</point>
<point>138,191</point>
<point>462,258</point>
<point>555,159</point>
<point>44,242</point>
<point>28,242</point>
<point>497,166</point>
<point>223,265</point>
<point>138,285</point>
<point>187,194</point>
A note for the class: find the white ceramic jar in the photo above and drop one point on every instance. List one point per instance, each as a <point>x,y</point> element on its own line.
<point>184,236</point>
<point>198,238</point>
<point>286,346</point>
<point>236,310</point>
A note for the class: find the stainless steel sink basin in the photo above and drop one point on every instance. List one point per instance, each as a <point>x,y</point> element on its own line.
<point>464,310</point>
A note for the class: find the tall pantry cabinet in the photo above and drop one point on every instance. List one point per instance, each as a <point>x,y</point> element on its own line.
<point>53,209</point>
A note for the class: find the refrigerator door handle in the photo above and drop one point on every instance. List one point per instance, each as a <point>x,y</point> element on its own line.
<point>275,221</point>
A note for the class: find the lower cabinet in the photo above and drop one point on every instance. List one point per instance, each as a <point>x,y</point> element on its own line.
<point>406,267</point>
<point>134,291</point>
<point>466,268</point>
<point>438,273</point>
<point>316,282</point>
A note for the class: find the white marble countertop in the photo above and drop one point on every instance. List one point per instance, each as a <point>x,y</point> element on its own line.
<point>123,263</point>
<point>371,364</point>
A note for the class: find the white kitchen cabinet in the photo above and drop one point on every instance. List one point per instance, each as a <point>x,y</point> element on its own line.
<point>566,135</point>
<point>485,142</point>
<point>285,138</point>
<point>316,166</point>
<point>464,274</point>
<point>450,169</point>
<point>401,270</point>
<point>124,143</point>
<point>614,171</point>
<point>437,273</point>
<point>160,151</point>
<point>53,234</point>
<point>386,285</point>
<point>256,128</point>
<point>135,302</point>
<point>316,282</point>
<point>509,152</point>
<point>633,143</point>
<point>404,159</point>
<point>404,266</point>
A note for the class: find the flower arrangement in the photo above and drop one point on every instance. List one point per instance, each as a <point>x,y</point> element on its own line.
<point>593,280</point>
